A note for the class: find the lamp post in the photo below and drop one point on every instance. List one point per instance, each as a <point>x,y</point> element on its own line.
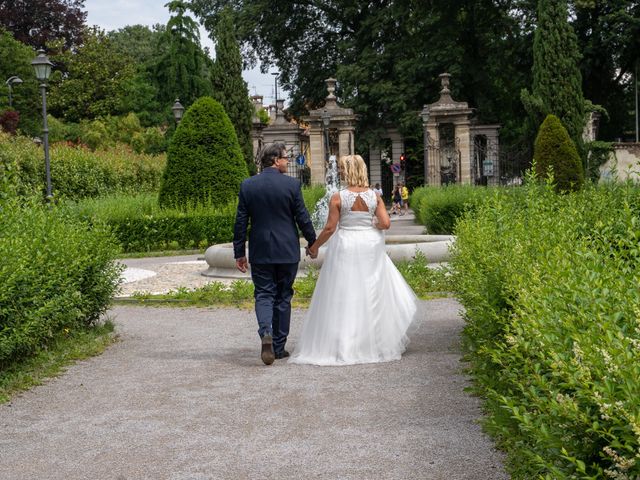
<point>42,67</point>
<point>275,78</point>
<point>13,80</point>
<point>326,121</point>
<point>178,111</point>
<point>636,88</point>
<point>425,118</point>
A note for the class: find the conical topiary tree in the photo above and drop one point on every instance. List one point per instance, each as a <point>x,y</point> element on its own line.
<point>555,150</point>
<point>204,160</point>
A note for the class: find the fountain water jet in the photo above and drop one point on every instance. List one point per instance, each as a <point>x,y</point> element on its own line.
<point>332,182</point>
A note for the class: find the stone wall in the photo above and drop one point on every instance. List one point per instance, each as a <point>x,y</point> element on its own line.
<point>623,163</point>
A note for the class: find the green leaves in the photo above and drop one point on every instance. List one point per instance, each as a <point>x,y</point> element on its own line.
<point>56,274</point>
<point>549,285</point>
<point>204,160</point>
<point>554,152</point>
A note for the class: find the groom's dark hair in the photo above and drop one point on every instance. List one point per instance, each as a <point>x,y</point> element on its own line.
<point>271,153</point>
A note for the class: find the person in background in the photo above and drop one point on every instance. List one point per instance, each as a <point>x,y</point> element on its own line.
<point>378,190</point>
<point>396,207</point>
<point>404,193</point>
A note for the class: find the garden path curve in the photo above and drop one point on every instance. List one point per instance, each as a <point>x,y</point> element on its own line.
<point>183,395</point>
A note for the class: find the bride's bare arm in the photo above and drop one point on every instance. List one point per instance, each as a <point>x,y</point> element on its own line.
<point>384,222</point>
<point>330,227</point>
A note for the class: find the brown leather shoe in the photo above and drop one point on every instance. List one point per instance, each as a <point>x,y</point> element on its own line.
<point>267,355</point>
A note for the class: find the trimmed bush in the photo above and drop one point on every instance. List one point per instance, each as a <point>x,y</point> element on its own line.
<point>439,208</point>
<point>550,289</point>
<point>55,274</point>
<point>204,160</point>
<point>555,151</point>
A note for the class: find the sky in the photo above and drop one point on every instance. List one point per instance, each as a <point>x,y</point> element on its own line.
<point>115,14</point>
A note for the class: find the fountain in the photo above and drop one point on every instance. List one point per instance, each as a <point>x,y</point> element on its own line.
<point>332,182</point>
<point>399,247</point>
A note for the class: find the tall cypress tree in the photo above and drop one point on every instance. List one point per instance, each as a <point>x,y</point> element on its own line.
<point>183,68</point>
<point>229,88</point>
<point>557,83</point>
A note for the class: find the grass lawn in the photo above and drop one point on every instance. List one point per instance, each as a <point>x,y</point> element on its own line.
<point>51,362</point>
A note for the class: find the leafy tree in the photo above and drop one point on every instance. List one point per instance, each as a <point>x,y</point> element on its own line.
<point>96,83</point>
<point>229,88</point>
<point>146,48</point>
<point>183,68</point>
<point>557,83</point>
<point>38,22</point>
<point>141,43</point>
<point>388,55</point>
<point>15,59</point>
<point>554,150</point>
<point>204,160</point>
<point>609,39</point>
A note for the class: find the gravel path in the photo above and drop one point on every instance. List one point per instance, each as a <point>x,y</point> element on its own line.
<point>184,395</point>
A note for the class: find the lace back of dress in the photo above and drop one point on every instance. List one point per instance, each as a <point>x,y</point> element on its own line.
<point>357,202</point>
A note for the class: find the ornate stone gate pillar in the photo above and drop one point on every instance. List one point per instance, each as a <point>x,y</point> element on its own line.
<point>325,124</point>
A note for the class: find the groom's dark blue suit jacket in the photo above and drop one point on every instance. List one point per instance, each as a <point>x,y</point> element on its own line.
<point>272,203</point>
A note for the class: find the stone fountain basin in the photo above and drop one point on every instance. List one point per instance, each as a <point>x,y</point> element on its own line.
<point>399,248</point>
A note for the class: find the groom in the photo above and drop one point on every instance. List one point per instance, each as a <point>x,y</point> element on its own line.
<point>272,203</point>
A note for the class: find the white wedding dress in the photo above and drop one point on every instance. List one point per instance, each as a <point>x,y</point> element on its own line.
<point>362,307</point>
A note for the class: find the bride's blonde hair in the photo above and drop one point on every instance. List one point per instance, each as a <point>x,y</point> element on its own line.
<point>354,170</point>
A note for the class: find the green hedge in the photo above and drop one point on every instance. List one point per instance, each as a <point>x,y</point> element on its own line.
<point>140,225</point>
<point>550,289</point>
<point>55,274</point>
<point>77,172</point>
<point>439,208</point>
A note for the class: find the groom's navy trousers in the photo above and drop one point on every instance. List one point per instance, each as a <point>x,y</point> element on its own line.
<point>272,204</point>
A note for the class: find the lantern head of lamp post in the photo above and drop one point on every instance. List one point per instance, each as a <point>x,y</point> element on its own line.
<point>178,110</point>
<point>10,82</point>
<point>42,66</point>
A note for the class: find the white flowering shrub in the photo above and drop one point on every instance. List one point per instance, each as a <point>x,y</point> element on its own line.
<point>550,286</point>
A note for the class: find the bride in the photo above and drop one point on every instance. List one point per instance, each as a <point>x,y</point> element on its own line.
<point>361,307</point>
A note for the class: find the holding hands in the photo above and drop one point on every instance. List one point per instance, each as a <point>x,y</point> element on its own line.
<point>312,251</point>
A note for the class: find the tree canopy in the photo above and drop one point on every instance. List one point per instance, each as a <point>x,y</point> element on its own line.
<point>95,80</point>
<point>38,22</point>
<point>183,68</point>
<point>15,60</point>
<point>557,83</point>
<point>387,55</point>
